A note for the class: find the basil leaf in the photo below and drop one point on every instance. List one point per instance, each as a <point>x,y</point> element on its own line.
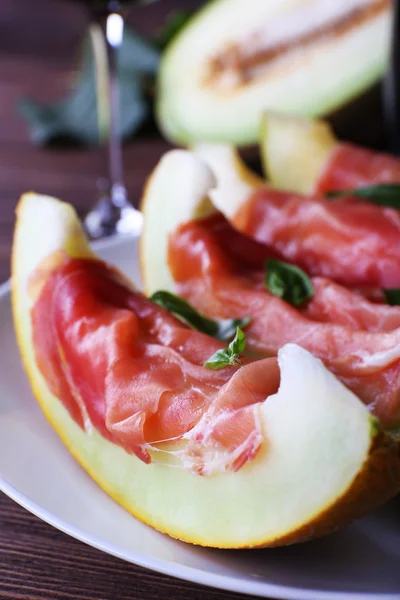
<point>74,119</point>
<point>228,356</point>
<point>238,343</point>
<point>219,360</point>
<point>288,282</point>
<point>383,194</point>
<point>222,330</point>
<point>392,296</point>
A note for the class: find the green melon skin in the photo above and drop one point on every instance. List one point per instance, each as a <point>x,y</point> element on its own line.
<point>312,79</point>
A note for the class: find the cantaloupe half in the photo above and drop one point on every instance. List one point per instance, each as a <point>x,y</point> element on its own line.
<point>324,460</point>
<point>294,150</point>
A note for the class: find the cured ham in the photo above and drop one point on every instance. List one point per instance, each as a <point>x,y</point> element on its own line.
<point>362,348</point>
<point>128,368</point>
<point>333,303</point>
<point>351,166</point>
<point>346,239</point>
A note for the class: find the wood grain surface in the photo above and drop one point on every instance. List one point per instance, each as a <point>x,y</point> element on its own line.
<point>38,43</point>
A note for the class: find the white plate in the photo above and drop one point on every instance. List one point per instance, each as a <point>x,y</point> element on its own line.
<point>361,561</point>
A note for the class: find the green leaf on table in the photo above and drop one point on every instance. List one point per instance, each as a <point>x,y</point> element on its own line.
<point>228,356</point>
<point>138,54</point>
<point>383,194</point>
<point>75,117</point>
<point>174,22</point>
<point>223,329</point>
<point>288,282</point>
<point>392,296</point>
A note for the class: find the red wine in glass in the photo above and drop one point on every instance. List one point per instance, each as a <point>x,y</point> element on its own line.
<point>113,212</point>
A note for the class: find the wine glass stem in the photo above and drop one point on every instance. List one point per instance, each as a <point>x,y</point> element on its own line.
<point>106,37</point>
<point>112,213</point>
<point>114,34</point>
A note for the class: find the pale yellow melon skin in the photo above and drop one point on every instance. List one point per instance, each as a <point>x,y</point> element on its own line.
<point>349,467</point>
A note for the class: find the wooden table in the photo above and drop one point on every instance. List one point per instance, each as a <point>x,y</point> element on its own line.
<point>38,42</point>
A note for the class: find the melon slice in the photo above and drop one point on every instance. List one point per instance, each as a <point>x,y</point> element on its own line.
<point>294,151</point>
<point>237,58</point>
<point>235,182</point>
<point>303,155</point>
<point>324,460</point>
<point>190,201</point>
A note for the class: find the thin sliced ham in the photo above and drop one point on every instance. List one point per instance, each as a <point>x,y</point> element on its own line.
<point>351,166</point>
<point>352,241</point>
<point>333,303</point>
<point>128,368</point>
<point>362,355</point>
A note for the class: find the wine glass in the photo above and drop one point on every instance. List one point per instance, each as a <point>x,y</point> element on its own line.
<point>113,213</point>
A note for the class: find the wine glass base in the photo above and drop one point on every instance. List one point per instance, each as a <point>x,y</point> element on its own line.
<point>105,220</point>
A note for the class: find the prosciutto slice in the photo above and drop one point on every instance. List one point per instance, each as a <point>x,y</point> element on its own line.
<point>333,303</point>
<point>362,349</point>
<point>351,166</point>
<point>352,241</point>
<point>126,367</point>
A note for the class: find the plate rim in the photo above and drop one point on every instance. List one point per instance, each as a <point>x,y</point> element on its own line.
<point>171,568</point>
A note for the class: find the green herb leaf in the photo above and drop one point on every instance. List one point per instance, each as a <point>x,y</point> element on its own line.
<point>228,356</point>
<point>137,54</point>
<point>174,22</point>
<point>238,343</point>
<point>74,118</point>
<point>288,282</point>
<point>383,194</point>
<point>222,330</point>
<point>392,296</point>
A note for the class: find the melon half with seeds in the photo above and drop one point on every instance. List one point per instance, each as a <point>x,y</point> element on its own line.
<point>322,459</point>
<point>237,58</point>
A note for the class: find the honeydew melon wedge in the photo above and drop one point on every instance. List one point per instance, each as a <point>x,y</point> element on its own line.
<point>235,182</point>
<point>237,58</point>
<point>191,187</point>
<point>294,150</point>
<point>323,463</point>
<point>188,185</point>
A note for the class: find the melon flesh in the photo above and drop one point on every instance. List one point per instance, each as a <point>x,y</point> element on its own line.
<point>294,151</point>
<point>191,200</point>
<point>237,58</point>
<point>235,183</point>
<point>323,463</point>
